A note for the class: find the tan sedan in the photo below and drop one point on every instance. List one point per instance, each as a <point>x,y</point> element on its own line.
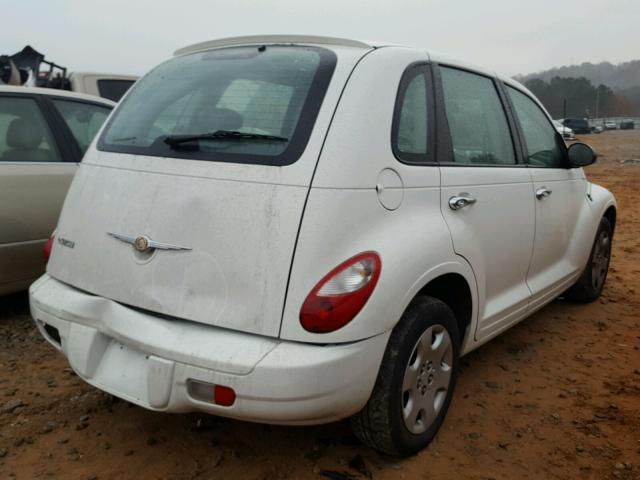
<point>43,136</point>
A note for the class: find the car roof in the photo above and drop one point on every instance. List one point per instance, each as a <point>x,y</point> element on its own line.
<point>56,93</point>
<point>340,42</point>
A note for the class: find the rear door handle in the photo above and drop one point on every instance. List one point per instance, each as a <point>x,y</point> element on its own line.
<point>460,201</point>
<point>543,192</point>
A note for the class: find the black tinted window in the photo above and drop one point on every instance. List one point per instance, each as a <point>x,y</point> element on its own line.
<point>541,138</point>
<point>409,134</point>
<point>274,92</point>
<point>113,89</point>
<point>479,130</point>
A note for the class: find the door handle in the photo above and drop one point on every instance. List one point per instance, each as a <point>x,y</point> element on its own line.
<point>460,201</point>
<point>543,192</point>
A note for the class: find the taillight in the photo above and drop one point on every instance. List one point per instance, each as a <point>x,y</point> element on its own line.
<point>48,246</point>
<point>341,294</point>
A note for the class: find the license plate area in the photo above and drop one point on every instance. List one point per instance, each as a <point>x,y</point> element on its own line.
<point>125,371</point>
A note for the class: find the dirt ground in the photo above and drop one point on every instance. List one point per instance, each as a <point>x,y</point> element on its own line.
<point>556,397</point>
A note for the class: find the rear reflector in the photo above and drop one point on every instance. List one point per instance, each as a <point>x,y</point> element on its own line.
<point>210,393</point>
<point>224,396</point>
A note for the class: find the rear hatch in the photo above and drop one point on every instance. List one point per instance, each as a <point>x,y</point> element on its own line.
<point>211,156</point>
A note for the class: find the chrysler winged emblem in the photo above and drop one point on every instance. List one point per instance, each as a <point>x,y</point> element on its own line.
<point>142,243</point>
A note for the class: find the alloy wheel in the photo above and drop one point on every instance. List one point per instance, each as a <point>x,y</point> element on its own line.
<point>600,261</point>
<point>427,379</point>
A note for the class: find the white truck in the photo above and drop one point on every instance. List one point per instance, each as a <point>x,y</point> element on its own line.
<point>24,68</point>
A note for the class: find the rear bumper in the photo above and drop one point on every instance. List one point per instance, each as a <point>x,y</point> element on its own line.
<point>148,360</point>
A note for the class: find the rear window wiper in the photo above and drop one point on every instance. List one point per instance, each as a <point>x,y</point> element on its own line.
<point>174,140</point>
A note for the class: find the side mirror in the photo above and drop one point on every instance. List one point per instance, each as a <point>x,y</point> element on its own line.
<point>581,155</point>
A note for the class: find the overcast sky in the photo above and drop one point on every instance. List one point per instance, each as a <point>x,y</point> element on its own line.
<point>511,36</point>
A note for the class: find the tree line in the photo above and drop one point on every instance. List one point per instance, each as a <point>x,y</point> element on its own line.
<point>578,97</point>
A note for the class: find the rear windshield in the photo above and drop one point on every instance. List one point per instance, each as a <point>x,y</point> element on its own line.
<point>240,104</point>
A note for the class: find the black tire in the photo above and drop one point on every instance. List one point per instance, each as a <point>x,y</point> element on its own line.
<point>381,424</point>
<point>590,284</point>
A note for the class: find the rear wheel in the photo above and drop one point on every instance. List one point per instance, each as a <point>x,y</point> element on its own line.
<point>590,284</point>
<point>415,382</point>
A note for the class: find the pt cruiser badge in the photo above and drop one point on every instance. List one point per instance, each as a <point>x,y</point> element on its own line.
<point>142,243</point>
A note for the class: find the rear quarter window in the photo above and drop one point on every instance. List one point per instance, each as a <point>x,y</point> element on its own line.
<point>412,126</point>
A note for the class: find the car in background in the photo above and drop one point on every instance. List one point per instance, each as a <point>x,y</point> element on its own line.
<point>43,135</point>
<point>30,68</point>
<point>578,125</point>
<point>610,125</point>
<point>627,125</point>
<point>566,132</point>
<point>106,85</point>
<point>597,129</point>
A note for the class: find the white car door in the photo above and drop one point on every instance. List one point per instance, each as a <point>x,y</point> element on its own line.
<point>486,197</point>
<point>559,194</point>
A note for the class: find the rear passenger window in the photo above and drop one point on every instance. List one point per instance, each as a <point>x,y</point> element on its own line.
<point>83,119</point>
<point>543,144</point>
<point>409,133</point>
<point>24,133</point>
<point>479,130</point>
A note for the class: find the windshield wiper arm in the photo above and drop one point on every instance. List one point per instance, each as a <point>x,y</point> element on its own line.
<point>222,135</point>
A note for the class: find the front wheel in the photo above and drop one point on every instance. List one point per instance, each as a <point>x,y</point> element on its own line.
<point>590,284</point>
<point>415,382</point>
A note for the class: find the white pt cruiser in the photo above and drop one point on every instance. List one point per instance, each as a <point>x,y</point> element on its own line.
<point>295,230</point>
